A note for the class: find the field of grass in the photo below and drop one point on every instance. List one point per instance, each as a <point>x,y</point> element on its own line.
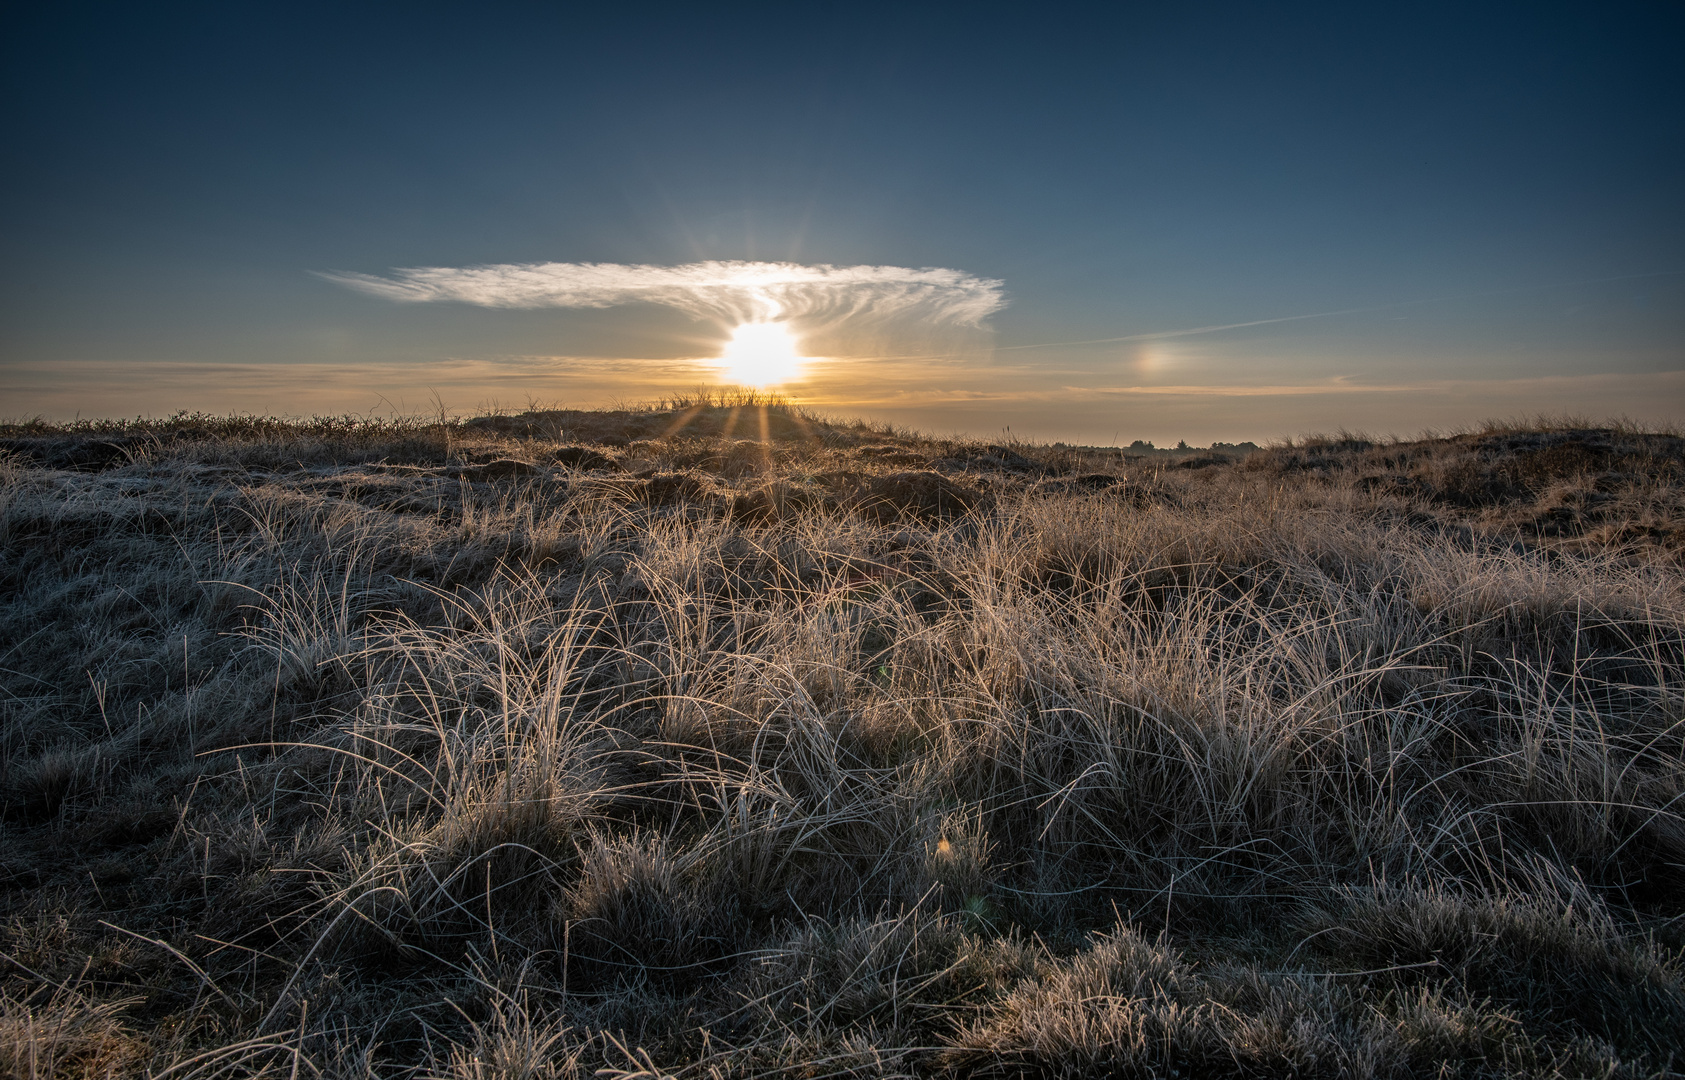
<point>720,741</point>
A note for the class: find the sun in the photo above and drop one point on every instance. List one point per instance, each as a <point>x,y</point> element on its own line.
<point>761,354</point>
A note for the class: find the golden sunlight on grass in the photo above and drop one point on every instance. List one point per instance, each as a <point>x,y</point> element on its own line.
<point>719,739</point>
<point>761,354</point>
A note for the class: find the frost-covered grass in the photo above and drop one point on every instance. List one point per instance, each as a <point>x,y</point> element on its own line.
<point>722,740</point>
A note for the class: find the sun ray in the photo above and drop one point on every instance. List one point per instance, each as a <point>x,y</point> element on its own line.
<point>683,421</point>
<point>766,438</point>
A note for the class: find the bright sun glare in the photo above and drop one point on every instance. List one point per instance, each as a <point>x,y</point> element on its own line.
<point>761,354</point>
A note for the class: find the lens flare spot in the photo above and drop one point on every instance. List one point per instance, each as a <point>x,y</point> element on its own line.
<point>761,354</point>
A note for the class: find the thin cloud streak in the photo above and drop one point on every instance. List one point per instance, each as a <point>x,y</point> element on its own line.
<point>1191,331</point>
<point>1664,384</point>
<point>1158,335</point>
<point>942,397</point>
<point>1337,386</point>
<point>731,292</point>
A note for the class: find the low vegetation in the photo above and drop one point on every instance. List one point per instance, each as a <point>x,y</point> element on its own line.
<point>717,740</point>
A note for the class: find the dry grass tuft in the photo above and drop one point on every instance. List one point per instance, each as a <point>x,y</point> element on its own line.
<point>716,739</point>
<point>64,1035</point>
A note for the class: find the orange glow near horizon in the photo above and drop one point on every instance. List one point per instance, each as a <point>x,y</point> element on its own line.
<point>761,354</point>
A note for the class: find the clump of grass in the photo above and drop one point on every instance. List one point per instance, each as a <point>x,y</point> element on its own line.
<point>715,738</point>
<point>59,1032</point>
<point>1554,953</point>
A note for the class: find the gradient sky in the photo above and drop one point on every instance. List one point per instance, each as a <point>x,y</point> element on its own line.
<point>1491,196</point>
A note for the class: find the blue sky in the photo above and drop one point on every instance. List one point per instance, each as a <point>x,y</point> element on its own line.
<point>1491,193</point>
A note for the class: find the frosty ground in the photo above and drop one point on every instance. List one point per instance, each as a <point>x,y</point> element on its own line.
<point>718,739</point>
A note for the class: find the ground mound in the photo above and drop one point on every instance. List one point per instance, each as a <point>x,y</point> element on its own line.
<point>725,740</point>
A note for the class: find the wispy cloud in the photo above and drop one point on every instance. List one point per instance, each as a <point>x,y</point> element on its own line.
<point>1191,331</point>
<point>732,292</point>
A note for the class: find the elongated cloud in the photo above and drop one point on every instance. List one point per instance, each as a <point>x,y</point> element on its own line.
<point>734,292</point>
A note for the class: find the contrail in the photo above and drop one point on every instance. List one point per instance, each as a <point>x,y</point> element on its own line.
<point>1160,334</point>
<point>1157,334</point>
<point>732,292</point>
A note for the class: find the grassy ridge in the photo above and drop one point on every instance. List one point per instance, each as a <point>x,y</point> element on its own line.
<point>720,740</point>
